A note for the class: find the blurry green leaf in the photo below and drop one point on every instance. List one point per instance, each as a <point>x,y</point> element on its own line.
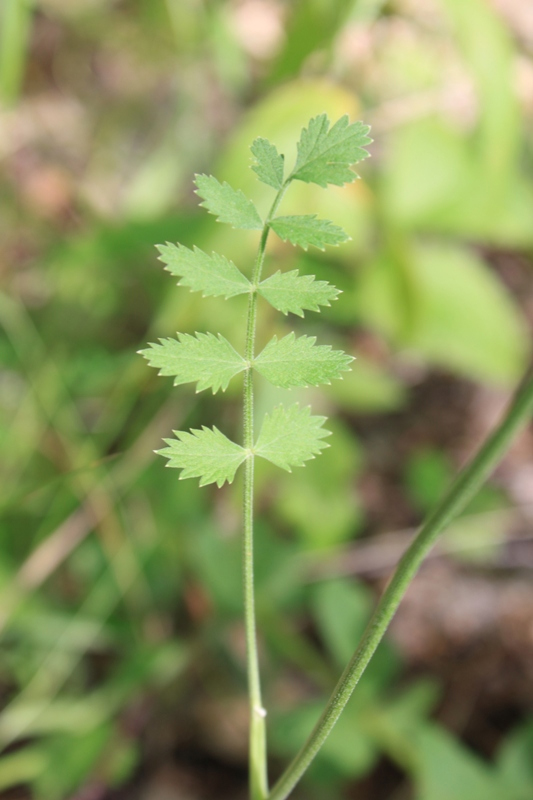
<point>488,49</point>
<point>310,29</point>
<point>446,770</point>
<point>461,316</point>
<point>434,179</point>
<point>348,748</point>
<point>77,755</point>
<point>206,454</point>
<point>216,561</point>
<point>320,506</point>
<point>22,766</point>
<point>427,473</point>
<point>227,204</point>
<point>299,362</point>
<point>427,168</point>
<point>121,761</point>
<point>341,609</point>
<point>289,291</point>
<point>291,436</point>
<point>207,359</point>
<point>325,155</point>
<point>212,275</point>
<point>413,704</point>
<point>268,165</point>
<point>368,389</point>
<point>307,231</point>
<point>515,762</point>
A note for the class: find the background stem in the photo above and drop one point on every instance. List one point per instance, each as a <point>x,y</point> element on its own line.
<point>467,483</point>
<point>257,751</point>
<point>15,21</point>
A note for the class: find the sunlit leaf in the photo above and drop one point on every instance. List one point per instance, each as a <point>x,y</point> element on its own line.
<point>268,164</point>
<point>209,360</point>
<point>307,230</point>
<point>289,291</point>
<point>299,362</point>
<point>291,436</point>
<point>205,454</point>
<point>213,275</point>
<point>227,204</point>
<point>325,155</point>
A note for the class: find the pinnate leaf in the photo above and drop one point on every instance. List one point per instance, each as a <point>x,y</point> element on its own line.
<point>227,204</point>
<point>268,165</point>
<point>299,362</point>
<point>206,454</point>
<point>325,155</point>
<point>290,436</point>
<point>289,291</point>
<point>213,275</point>
<point>307,230</point>
<point>209,360</point>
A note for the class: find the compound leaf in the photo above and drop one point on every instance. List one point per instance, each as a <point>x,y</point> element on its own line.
<point>299,362</point>
<point>289,291</point>
<point>206,454</point>
<point>290,436</point>
<point>325,155</point>
<point>227,204</point>
<point>213,275</point>
<point>268,164</point>
<point>209,360</point>
<point>307,230</point>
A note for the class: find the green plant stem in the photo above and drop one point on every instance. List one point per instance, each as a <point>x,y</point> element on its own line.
<point>257,754</point>
<point>467,483</point>
<point>15,20</point>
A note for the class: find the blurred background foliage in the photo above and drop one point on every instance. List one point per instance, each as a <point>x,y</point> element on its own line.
<point>121,668</point>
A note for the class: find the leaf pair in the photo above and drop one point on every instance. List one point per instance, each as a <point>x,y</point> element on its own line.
<point>216,276</point>
<point>288,438</point>
<point>232,206</point>
<point>211,361</point>
<point>291,436</point>
<point>324,154</point>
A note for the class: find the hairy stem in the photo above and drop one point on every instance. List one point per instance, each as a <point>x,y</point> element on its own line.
<point>257,753</point>
<point>467,483</point>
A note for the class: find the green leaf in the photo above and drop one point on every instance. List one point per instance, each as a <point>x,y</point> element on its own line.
<point>268,165</point>
<point>206,454</point>
<point>212,275</point>
<point>445,769</point>
<point>341,609</point>
<point>227,204</point>
<point>325,156</point>
<point>299,362</point>
<point>292,292</point>
<point>290,436</point>
<point>210,360</point>
<point>307,230</point>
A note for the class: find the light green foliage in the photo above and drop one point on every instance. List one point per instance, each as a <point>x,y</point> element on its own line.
<point>307,230</point>
<point>268,165</point>
<point>213,275</point>
<point>292,292</point>
<point>227,204</point>
<point>290,436</point>
<point>325,155</point>
<point>299,362</point>
<point>209,360</point>
<point>205,454</point>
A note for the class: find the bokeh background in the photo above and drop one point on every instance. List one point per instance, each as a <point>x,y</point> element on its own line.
<point>122,670</point>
